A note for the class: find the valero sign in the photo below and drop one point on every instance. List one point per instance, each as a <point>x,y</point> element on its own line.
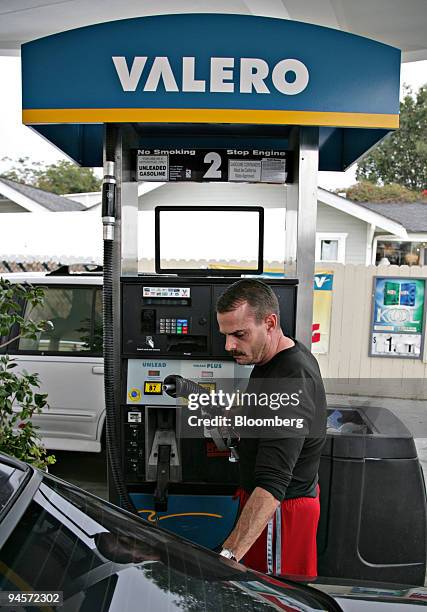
<point>210,68</point>
<point>251,74</point>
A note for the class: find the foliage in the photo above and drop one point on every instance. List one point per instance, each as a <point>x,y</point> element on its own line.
<point>62,177</point>
<point>19,399</point>
<point>22,170</point>
<point>368,192</point>
<point>402,157</point>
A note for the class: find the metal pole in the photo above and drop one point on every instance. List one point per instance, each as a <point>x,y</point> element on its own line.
<point>128,203</point>
<point>302,208</point>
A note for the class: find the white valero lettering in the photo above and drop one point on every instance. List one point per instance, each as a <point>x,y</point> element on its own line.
<point>279,76</point>
<point>253,73</point>
<point>129,80</point>
<point>161,69</point>
<point>221,71</point>
<point>189,82</point>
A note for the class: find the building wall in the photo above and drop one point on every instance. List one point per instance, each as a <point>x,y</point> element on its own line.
<point>332,220</point>
<point>87,199</point>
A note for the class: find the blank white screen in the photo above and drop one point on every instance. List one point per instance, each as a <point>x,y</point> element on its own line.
<point>211,235</point>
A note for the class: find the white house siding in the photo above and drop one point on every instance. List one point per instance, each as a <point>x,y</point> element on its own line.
<point>331,220</point>
<point>67,237</point>
<point>87,199</point>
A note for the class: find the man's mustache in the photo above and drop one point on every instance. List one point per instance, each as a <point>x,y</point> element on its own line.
<point>236,354</point>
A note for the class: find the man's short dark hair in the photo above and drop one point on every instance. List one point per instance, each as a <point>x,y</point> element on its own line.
<point>260,297</point>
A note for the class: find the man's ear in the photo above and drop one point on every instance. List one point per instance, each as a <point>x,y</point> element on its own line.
<point>271,322</point>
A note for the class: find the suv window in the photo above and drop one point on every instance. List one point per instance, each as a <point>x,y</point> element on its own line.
<point>76,315</point>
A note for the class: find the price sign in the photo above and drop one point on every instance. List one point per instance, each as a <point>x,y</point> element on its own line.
<point>397,317</point>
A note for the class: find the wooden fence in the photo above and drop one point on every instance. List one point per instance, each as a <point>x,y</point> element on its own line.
<point>347,367</point>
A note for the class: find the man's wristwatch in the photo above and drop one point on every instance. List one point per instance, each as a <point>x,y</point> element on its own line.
<point>228,554</point>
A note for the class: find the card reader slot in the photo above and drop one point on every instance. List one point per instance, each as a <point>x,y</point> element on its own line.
<point>148,321</point>
<point>183,344</point>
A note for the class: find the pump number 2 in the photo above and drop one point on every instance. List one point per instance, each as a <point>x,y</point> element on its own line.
<point>214,159</point>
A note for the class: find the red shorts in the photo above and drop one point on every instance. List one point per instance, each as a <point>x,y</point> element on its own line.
<point>287,546</point>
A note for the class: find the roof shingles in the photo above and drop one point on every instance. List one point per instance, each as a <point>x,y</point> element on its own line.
<point>412,215</point>
<point>49,201</point>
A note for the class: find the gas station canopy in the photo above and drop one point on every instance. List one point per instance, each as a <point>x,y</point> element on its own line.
<point>249,75</point>
<point>393,22</point>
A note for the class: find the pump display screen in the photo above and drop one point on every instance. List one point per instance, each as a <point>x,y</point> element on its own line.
<point>223,240</point>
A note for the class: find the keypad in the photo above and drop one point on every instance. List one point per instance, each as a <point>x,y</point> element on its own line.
<point>173,326</point>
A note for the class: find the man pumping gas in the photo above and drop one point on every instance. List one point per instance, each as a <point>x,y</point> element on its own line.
<point>279,491</point>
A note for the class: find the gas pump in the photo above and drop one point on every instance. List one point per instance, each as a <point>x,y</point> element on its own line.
<point>186,483</point>
<point>168,329</point>
<point>168,336</point>
<point>150,101</point>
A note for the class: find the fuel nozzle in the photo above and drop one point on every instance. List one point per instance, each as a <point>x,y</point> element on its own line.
<point>169,385</point>
<point>177,386</point>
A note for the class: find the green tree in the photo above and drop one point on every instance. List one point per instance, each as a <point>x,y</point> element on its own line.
<point>66,177</point>
<point>369,192</point>
<point>402,157</point>
<point>22,170</point>
<point>61,177</point>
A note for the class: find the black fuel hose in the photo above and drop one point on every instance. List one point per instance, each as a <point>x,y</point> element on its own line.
<point>110,411</point>
<point>111,414</point>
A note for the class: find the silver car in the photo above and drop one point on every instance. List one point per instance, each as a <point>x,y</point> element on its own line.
<point>68,358</point>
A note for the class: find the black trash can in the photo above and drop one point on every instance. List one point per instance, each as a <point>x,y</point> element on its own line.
<point>373,500</point>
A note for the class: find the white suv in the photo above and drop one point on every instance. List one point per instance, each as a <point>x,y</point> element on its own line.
<point>67,358</point>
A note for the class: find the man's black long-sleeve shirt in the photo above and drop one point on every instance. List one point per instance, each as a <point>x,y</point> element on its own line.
<point>287,467</point>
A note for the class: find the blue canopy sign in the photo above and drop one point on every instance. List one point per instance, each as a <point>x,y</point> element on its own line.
<point>209,68</point>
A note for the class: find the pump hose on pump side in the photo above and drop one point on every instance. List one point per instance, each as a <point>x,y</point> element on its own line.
<point>110,413</point>
<point>112,430</point>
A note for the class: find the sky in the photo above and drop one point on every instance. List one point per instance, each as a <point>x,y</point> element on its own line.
<point>17,140</point>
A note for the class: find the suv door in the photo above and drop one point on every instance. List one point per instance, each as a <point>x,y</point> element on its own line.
<point>68,359</point>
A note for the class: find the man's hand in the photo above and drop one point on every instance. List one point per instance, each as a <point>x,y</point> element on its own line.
<point>256,513</point>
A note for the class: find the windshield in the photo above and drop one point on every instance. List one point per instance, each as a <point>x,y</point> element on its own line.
<point>102,558</point>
